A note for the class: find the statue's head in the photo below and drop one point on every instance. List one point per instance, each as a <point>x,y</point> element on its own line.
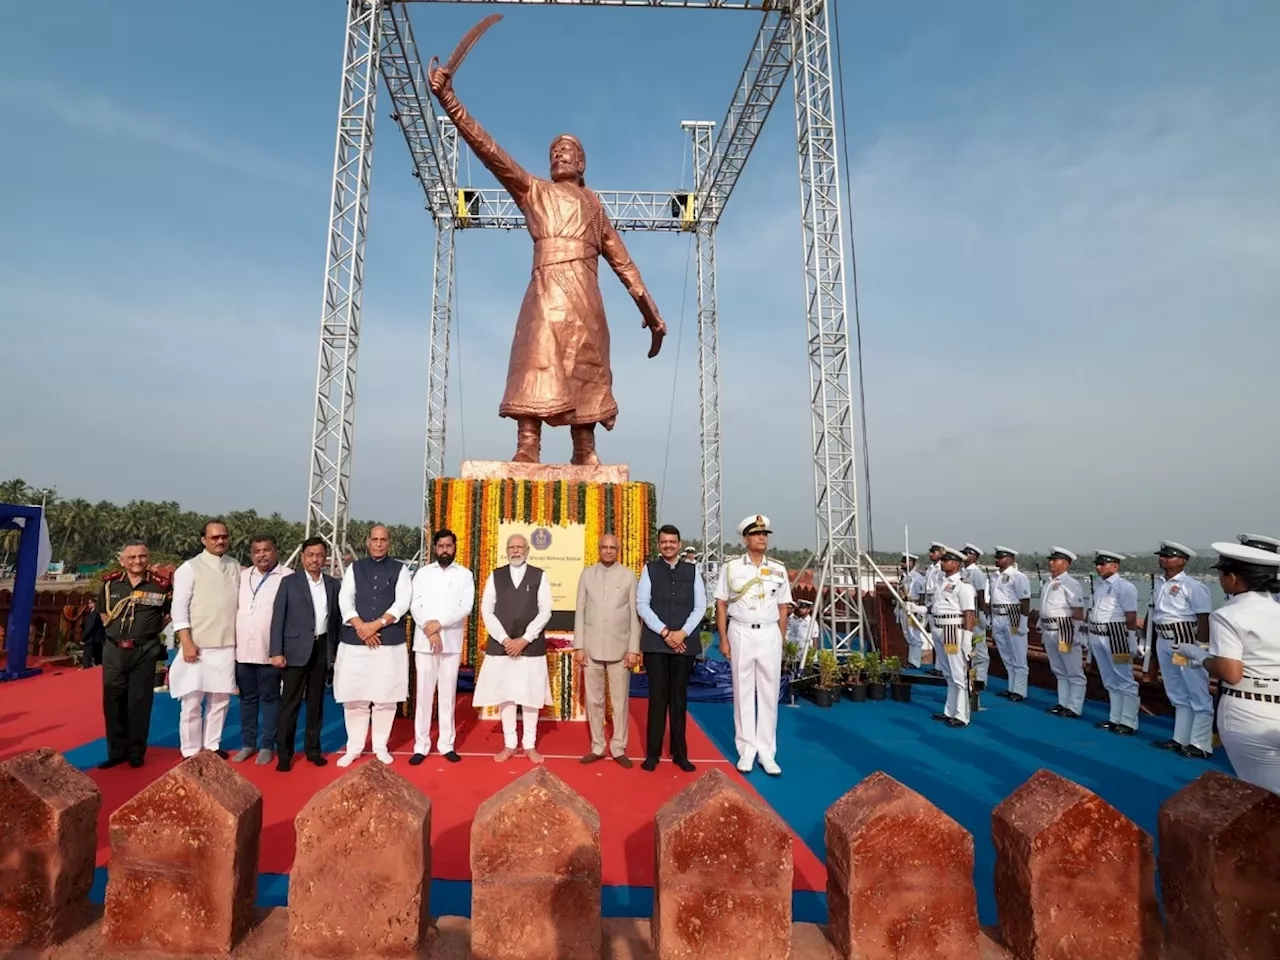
<point>568,159</point>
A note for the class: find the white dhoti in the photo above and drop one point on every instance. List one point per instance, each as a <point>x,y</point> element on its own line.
<point>755,654</point>
<point>437,675</point>
<point>507,682</point>
<point>370,682</point>
<point>204,688</point>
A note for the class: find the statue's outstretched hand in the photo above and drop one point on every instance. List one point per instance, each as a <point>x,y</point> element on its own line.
<point>440,80</point>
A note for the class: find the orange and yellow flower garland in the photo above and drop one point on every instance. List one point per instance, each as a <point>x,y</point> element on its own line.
<point>473,509</point>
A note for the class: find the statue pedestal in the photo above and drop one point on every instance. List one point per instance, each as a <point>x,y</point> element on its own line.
<point>564,472</point>
<point>563,518</point>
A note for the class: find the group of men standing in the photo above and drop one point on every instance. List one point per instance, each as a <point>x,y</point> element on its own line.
<point>271,634</point>
<point>955,604</point>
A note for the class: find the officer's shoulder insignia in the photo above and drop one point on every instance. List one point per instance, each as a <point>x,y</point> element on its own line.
<point>113,576</point>
<point>160,579</point>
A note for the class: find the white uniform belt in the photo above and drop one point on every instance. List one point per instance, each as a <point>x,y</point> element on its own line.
<point>753,624</point>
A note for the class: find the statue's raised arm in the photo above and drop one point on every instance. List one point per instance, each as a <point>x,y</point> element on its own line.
<point>515,178</point>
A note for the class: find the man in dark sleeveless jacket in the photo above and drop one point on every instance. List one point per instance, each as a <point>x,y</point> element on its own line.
<point>671,601</point>
<point>515,605</point>
<point>371,670</point>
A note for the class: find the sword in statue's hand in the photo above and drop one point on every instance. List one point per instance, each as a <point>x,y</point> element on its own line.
<point>439,77</point>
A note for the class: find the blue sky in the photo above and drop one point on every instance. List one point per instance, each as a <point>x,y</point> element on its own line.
<point>1066,216</point>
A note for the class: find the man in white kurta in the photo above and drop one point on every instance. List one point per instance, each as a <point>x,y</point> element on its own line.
<point>753,601</point>
<point>444,595</point>
<point>203,676</point>
<point>516,607</point>
<point>371,671</point>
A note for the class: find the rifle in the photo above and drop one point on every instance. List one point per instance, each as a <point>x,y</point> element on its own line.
<point>1149,639</point>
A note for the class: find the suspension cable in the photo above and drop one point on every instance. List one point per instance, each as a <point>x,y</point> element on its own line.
<point>675,373</point>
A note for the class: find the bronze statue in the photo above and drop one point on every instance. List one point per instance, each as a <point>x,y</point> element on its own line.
<point>559,369</point>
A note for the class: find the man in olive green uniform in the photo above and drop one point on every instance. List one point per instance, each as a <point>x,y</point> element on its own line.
<point>134,605</point>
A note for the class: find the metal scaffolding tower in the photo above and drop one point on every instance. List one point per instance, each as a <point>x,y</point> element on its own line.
<point>793,34</point>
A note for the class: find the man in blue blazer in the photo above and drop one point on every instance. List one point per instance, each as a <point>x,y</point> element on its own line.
<point>304,631</point>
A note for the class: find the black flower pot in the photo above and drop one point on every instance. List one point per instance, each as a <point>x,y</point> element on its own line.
<point>855,692</point>
<point>875,691</point>
<point>900,692</point>
<point>824,696</point>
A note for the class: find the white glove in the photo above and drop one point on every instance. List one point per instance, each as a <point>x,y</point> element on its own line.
<point>1193,652</point>
<point>966,642</point>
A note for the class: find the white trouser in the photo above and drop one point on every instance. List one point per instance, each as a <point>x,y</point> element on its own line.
<point>1067,667</point>
<point>357,714</point>
<point>1117,677</point>
<point>1013,652</point>
<point>200,728</point>
<point>1250,732</point>
<point>981,657</point>
<point>529,716</point>
<point>437,674</point>
<point>915,645</point>
<point>1187,688</point>
<point>755,653</point>
<point>955,667</point>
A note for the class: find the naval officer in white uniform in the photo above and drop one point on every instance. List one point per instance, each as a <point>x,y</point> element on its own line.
<point>1010,598</point>
<point>1064,633</point>
<point>753,601</point>
<point>1180,609</point>
<point>1113,638</point>
<point>1260,542</point>
<point>1244,653</point>
<point>912,616</point>
<point>976,577</point>
<point>954,614</point>
<point>444,594</point>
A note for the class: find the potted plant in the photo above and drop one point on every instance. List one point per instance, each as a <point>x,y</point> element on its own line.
<point>855,684</point>
<point>898,691</point>
<point>875,676</point>
<point>828,690</point>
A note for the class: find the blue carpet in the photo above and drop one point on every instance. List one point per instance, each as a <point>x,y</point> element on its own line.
<point>965,772</point>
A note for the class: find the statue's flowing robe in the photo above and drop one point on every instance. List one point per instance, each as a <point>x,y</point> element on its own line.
<point>559,369</point>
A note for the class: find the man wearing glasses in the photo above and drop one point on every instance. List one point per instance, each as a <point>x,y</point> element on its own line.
<point>206,592</point>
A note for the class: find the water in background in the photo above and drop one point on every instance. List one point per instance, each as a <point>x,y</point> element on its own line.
<point>1142,583</point>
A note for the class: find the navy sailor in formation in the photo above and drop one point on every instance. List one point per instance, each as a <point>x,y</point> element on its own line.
<point>1180,608</point>
<point>1244,654</point>
<point>371,671</point>
<point>1010,600</point>
<point>1113,631</point>
<point>1064,632</point>
<point>953,615</point>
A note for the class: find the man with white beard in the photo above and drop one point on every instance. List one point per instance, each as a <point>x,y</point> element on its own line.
<point>516,606</point>
<point>444,594</point>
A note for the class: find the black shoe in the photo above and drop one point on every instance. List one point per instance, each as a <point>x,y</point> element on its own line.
<point>283,764</point>
<point>955,722</point>
<point>1006,694</point>
<point>649,764</point>
<point>317,759</point>
<point>223,754</point>
<point>1124,731</point>
<point>1193,753</point>
<point>1105,725</point>
<point>941,716</point>
<point>1167,745</point>
<point>135,762</point>
<point>1016,698</point>
<point>109,763</point>
<point>1059,710</point>
<point>416,759</point>
<point>1070,715</point>
<point>452,757</point>
<point>685,765</point>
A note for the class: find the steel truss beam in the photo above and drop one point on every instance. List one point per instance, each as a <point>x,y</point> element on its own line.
<point>629,210</point>
<point>830,369</point>
<point>442,277</point>
<point>406,78</point>
<point>758,87</point>
<point>700,132</point>
<point>332,436</point>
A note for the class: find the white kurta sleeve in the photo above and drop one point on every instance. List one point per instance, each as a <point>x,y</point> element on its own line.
<point>184,586</point>
<point>347,596</point>
<point>404,595</point>
<point>488,603</point>
<point>544,609</point>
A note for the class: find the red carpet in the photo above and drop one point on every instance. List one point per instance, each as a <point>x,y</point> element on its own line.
<point>35,714</point>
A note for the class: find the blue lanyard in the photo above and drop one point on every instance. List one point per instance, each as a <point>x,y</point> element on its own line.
<point>253,599</point>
